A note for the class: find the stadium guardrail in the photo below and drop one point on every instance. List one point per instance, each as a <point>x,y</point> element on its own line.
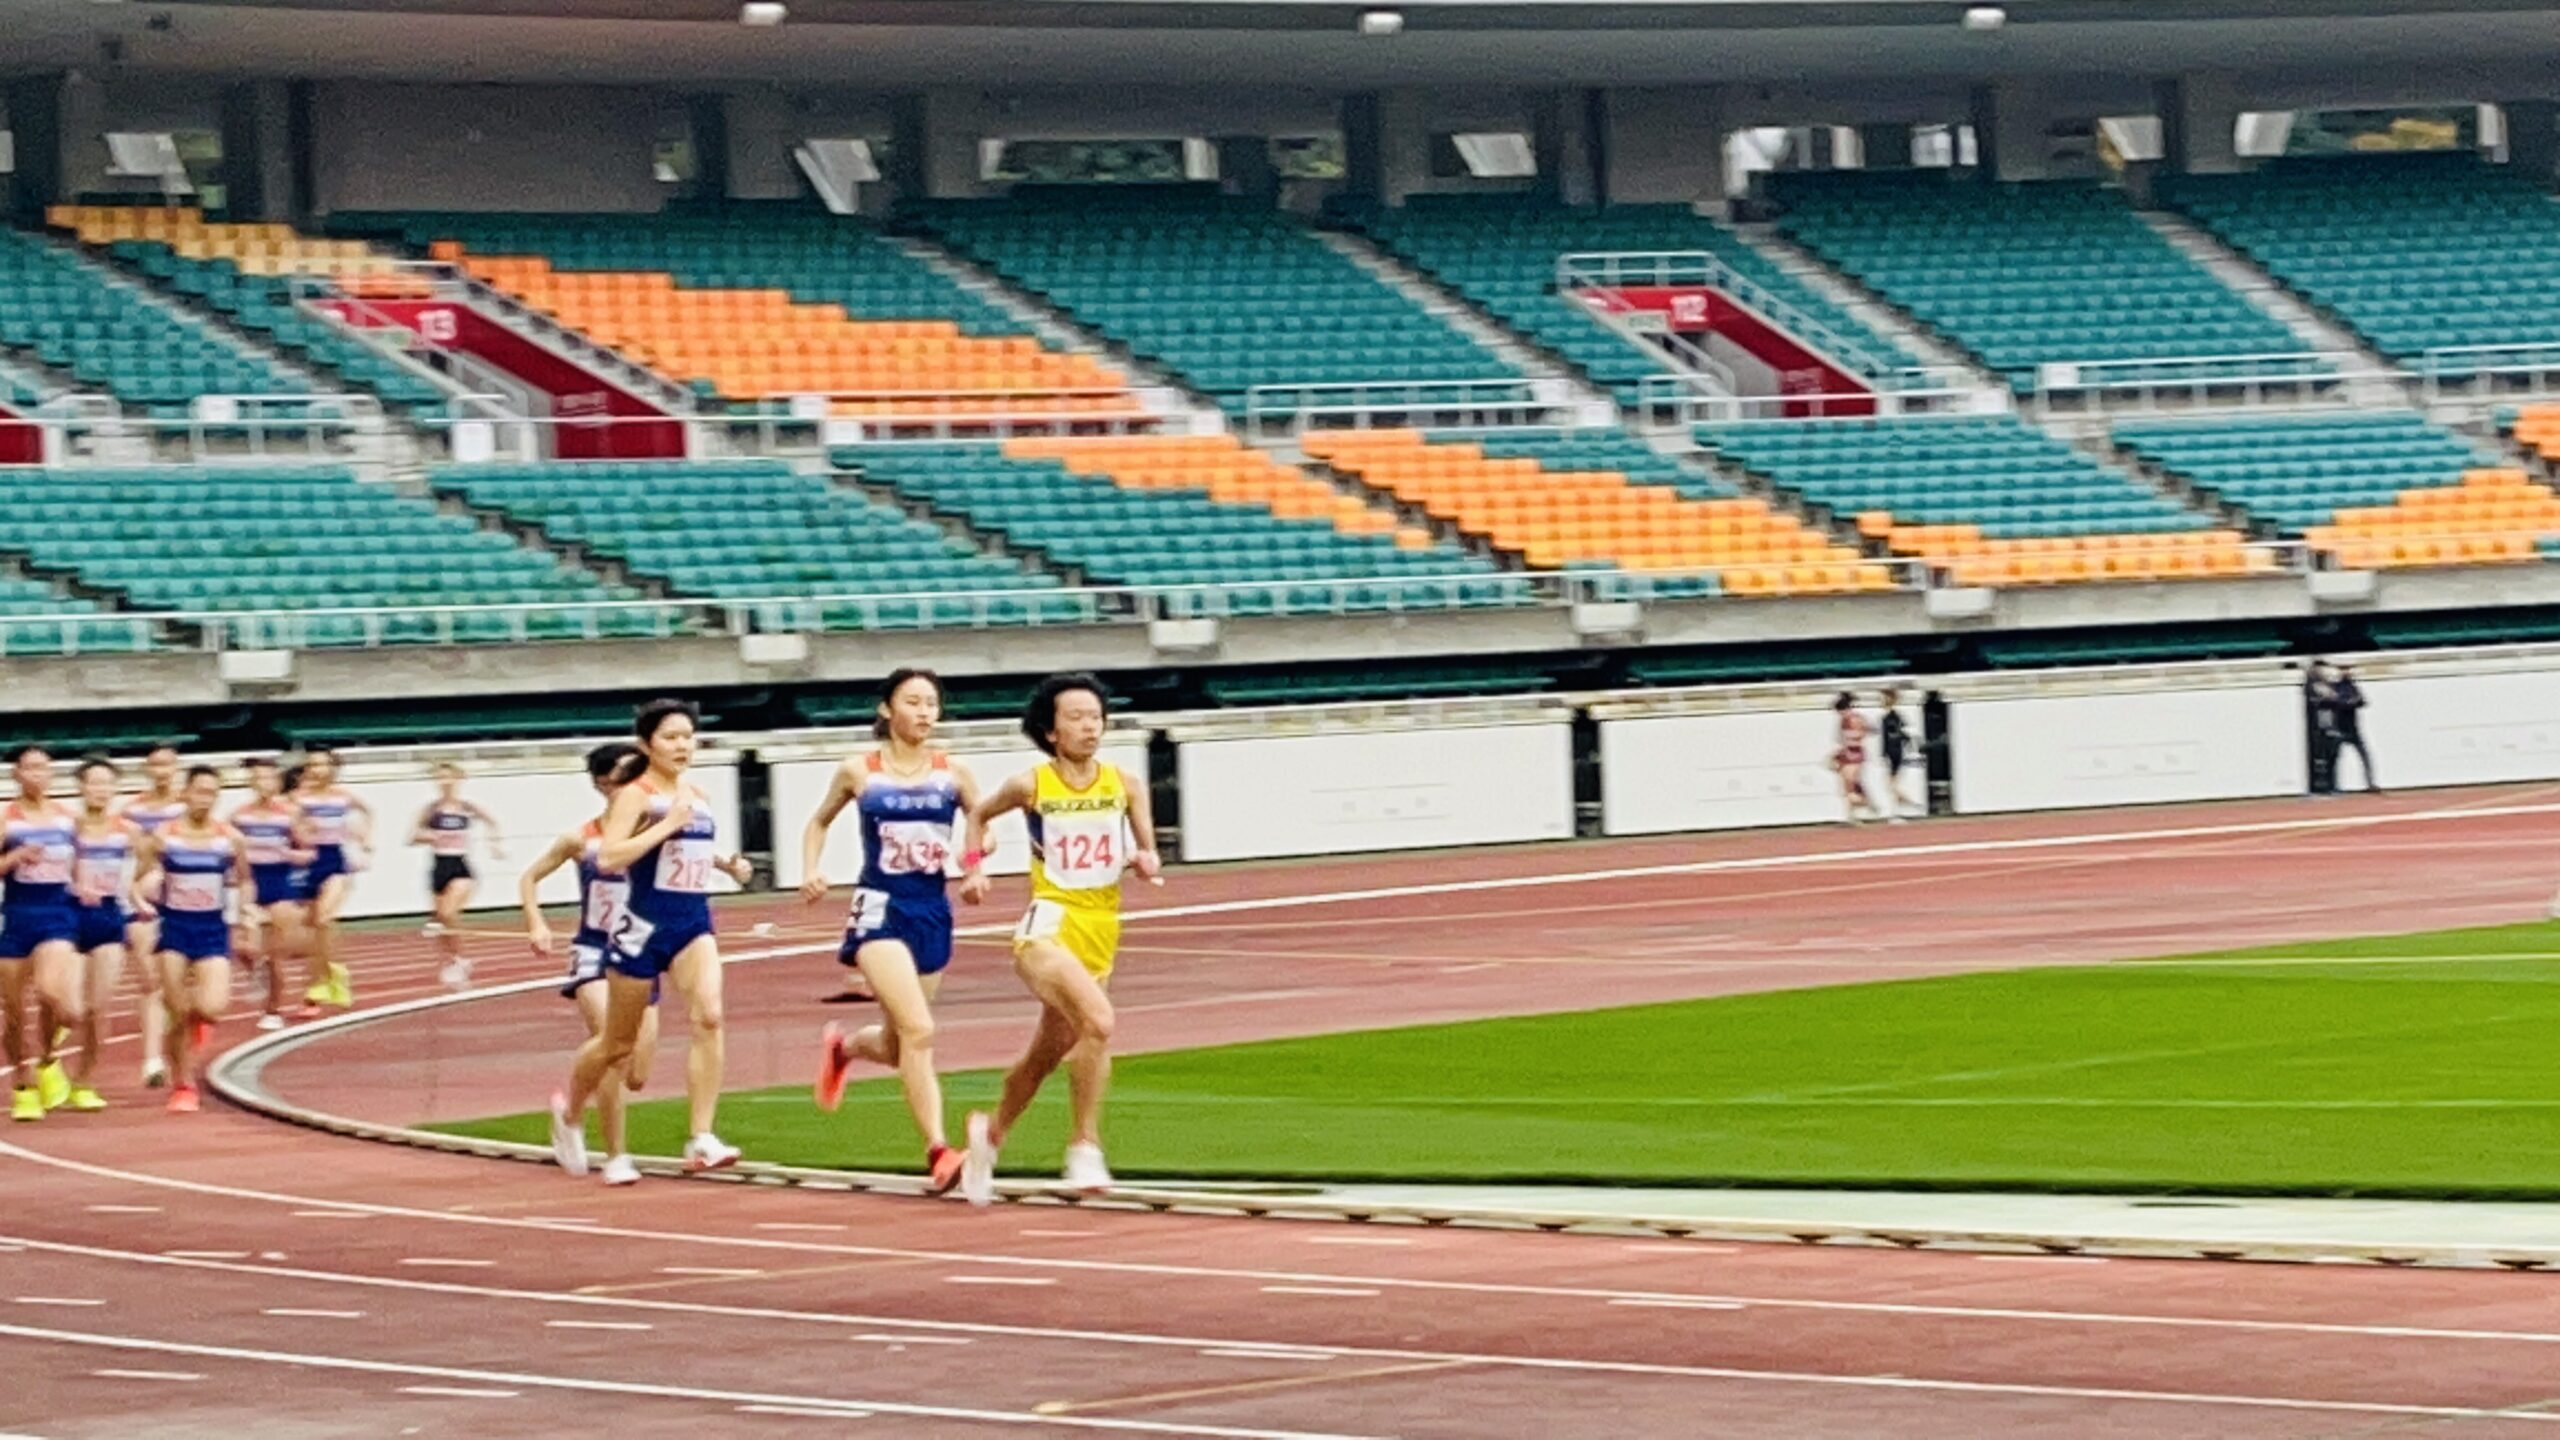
<point>1675,402</point>
<point>2115,385</point>
<point>1614,270</point>
<point>2467,371</point>
<point>1279,411</point>
<point>327,428</point>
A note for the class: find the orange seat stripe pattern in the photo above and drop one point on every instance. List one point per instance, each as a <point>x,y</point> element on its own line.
<point>2495,516</point>
<point>1227,469</point>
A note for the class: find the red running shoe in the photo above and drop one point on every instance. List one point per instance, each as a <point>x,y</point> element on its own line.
<point>834,1068</point>
<point>182,1100</point>
<point>942,1168</point>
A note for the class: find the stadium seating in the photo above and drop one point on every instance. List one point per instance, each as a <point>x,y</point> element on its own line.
<point>768,303</point>
<point>1501,253</point>
<point>2535,427</point>
<point>1227,294</point>
<point>1990,498</point>
<point>2413,251</point>
<point>757,530</point>
<point>1188,511</point>
<point>36,621</point>
<point>108,334</point>
<point>224,538</point>
<point>1600,501</point>
<point>2294,473</point>
<point>2024,274</point>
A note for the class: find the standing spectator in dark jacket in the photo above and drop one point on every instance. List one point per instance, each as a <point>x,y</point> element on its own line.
<point>2346,706</point>
<point>2320,703</point>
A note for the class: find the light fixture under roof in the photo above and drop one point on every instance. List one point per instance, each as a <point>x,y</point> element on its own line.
<point>1381,22</point>
<point>763,13</point>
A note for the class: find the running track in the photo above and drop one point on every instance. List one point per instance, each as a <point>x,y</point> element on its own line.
<point>167,1277</point>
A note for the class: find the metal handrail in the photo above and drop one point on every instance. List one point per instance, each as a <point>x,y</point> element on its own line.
<point>1273,411</point>
<point>2445,370</point>
<point>2143,384</point>
<point>1667,402</point>
<point>1613,270</point>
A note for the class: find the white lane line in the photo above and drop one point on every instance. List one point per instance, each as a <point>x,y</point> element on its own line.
<point>462,1392</point>
<point>1645,1304</point>
<point>717,1270</point>
<point>812,1412</point>
<point>433,1262</point>
<point>1037,1233</point>
<point>537,1381</point>
<point>2042,1259</point>
<point>296,1312</point>
<point>1548,1363</point>
<point>1239,1352</point>
<point>1347,1291</point>
<point>1355,1240</point>
<point>1678,1247</point>
<point>177,1376</point>
<point>206,1254</point>
<point>334,1215</point>
<point>65,1301</point>
<point>997,1280</point>
<point>915,1339</point>
<point>599,1325</point>
<point>563,1219</point>
<point>797,1225</point>
<point>124,1209</point>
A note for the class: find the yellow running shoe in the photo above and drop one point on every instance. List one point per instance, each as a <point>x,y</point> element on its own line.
<point>317,993</point>
<point>26,1105</point>
<point>86,1098</point>
<point>341,993</point>
<point>53,1085</point>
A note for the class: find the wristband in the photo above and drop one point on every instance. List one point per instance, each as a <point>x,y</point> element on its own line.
<point>973,859</point>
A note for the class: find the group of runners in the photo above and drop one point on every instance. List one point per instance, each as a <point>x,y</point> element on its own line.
<point>645,922</point>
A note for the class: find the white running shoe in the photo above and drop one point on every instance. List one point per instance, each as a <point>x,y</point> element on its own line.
<point>155,1074</point>
<point>271,1021</point>
<point>1085,1170</point>
<point>568,1137</point>
<point>707,1151</point>
<point>620,1170</point>
<point>455,975</point>
<point>978,1171</point>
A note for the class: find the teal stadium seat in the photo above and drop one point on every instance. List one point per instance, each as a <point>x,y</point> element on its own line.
<point>2293,473</point>
<point>105,333</point>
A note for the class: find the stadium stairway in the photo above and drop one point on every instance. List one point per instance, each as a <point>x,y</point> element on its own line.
<point>1224,294</point>
<point>1600,500</point>
<point>1841,292</point>
<point>1458,310</point>
<point>1988,499</point>
<point>756,306</point>
<point>2367,490</point>
<point>1231,530</point>
<point>2024,274</point>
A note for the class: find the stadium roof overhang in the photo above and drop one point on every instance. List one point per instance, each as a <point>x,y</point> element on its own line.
<point>2510,47</point>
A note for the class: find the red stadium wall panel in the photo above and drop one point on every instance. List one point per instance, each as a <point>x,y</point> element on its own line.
<point>1703,310</point>
<point>577,393</point>
<point>20,442</point>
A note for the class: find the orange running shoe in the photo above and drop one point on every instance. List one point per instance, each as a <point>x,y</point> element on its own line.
<point>200,1034</point>
<point>182,1100</point>
<point>834,1068</point>
<point>942,1168</point>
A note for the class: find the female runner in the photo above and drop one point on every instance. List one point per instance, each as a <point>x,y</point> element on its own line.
<point>1088,821</point>
<point>909,797</point>
<point>444,828</point>
<point>1849,758</point>
<point>337,822</point>
<point>660,832</point>
<point>157,805</point>
<point>101,886</point>
<point>38,930</point>
<point>601,896</point>
<point>192,865</point>
<point>279,882</point>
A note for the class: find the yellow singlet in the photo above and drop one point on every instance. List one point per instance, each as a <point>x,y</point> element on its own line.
<point>1080,842</point>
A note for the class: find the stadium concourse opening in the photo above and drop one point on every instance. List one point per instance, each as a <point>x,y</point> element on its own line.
<point>1279,720</point>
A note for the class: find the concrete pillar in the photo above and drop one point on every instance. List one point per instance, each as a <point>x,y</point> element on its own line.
<point>34,112</point>
<point>257,154</point>
<point>81,115</point>
<point>935,138</point>
<point>1561,136</point>
<point>1363,164</point>
<point>1403,145</point>
<point>2012,126</point>
<point>758,129</point>
<point>1885,146</point>
<point>1662,144</point>
<point>1244,166</point>
<point>2199,117</point>
<point>2533,137</point>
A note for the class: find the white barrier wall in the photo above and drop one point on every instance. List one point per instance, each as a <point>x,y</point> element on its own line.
<point>532,801</point>
<point>2461,729</point>
<point>1343,794</point>
<point>1667,773</point>
<point>797,786</point>
<point>2127,747</point>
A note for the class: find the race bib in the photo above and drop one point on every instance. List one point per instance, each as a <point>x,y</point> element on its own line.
<point>630,934</point>
<point>1083,855</point>
<point>195,893</point>
<point>914,847</point>
<point>1042,921</point>
<point>606,900</point>
<point>97,881</point>
<point>50,865</point>
<point>870,911</point>
<point>684,867</point>
<point>586,962</point>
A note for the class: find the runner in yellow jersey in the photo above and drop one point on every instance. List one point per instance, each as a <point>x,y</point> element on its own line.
<point>1089,822</point>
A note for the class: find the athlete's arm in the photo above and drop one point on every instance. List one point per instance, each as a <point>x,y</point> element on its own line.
<point>489,822</point>
<point>1013,794</point>
<point>146,877</point>
<point>842,790</point>
<point>241,879</point>
<point>626,839</point>
<point>419,832</point>
<point>559,853</point>
<point>1142,827</point>
<point>973,843</point>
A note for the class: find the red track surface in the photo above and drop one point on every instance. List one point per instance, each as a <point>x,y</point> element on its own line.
<point>327,1287</point>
